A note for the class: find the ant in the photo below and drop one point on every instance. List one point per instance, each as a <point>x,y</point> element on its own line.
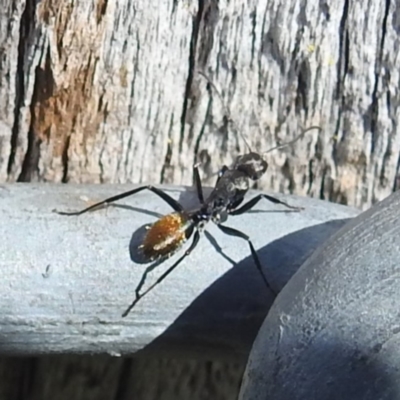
<point>167,235</point>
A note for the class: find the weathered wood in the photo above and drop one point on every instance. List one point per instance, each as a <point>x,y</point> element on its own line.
<point>104,91</point>
<point>104,378</point>
<point>98,91</point>
<point>71,377</point>
<point>67,280</point>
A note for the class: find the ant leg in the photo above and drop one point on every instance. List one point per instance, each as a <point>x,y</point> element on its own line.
<point>166,197</point>
<point>163,276</point>
<point>233,232</point>
<point>221,173</point>
<point>197,180</point>
<point>251,203</point>
<point>144,277</point>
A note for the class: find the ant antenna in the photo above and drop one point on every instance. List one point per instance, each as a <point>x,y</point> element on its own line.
<point>229,119</point>
<point>280,146</point>
<point>226,109</point>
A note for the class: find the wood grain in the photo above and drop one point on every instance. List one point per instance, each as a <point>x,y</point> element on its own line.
<point>108,92</point>
<point>100,91</point>
<point>66,280</point>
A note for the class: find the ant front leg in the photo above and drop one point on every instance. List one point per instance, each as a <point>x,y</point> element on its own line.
<point>166,197</point>
<point>251,203</point>
<point>197,180</point>
<point>221,173</point>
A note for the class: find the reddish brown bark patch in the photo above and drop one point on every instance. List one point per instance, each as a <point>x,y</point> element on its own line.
<point>66,98</point>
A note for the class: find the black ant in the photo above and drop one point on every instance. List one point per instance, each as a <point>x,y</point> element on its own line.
<point>167,235</point>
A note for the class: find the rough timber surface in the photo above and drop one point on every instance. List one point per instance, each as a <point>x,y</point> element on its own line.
<point>107,91</point>
<point>67,279</point>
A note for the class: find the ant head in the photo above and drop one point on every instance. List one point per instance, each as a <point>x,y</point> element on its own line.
<point>252,164</point>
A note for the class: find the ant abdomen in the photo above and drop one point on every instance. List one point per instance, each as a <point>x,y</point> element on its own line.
<point>165,236</point>
<point>252,164</point>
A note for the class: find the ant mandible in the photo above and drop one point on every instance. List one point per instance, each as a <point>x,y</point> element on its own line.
<point>167,235</point>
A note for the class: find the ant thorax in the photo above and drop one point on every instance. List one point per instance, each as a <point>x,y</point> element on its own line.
<point>231,183</point>
<point>229,191</point>
<point>252,164</point>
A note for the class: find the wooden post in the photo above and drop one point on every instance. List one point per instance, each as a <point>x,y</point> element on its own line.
<point>67,279</point>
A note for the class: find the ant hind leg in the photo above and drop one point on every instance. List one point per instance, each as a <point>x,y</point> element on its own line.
<point>163,276</point>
